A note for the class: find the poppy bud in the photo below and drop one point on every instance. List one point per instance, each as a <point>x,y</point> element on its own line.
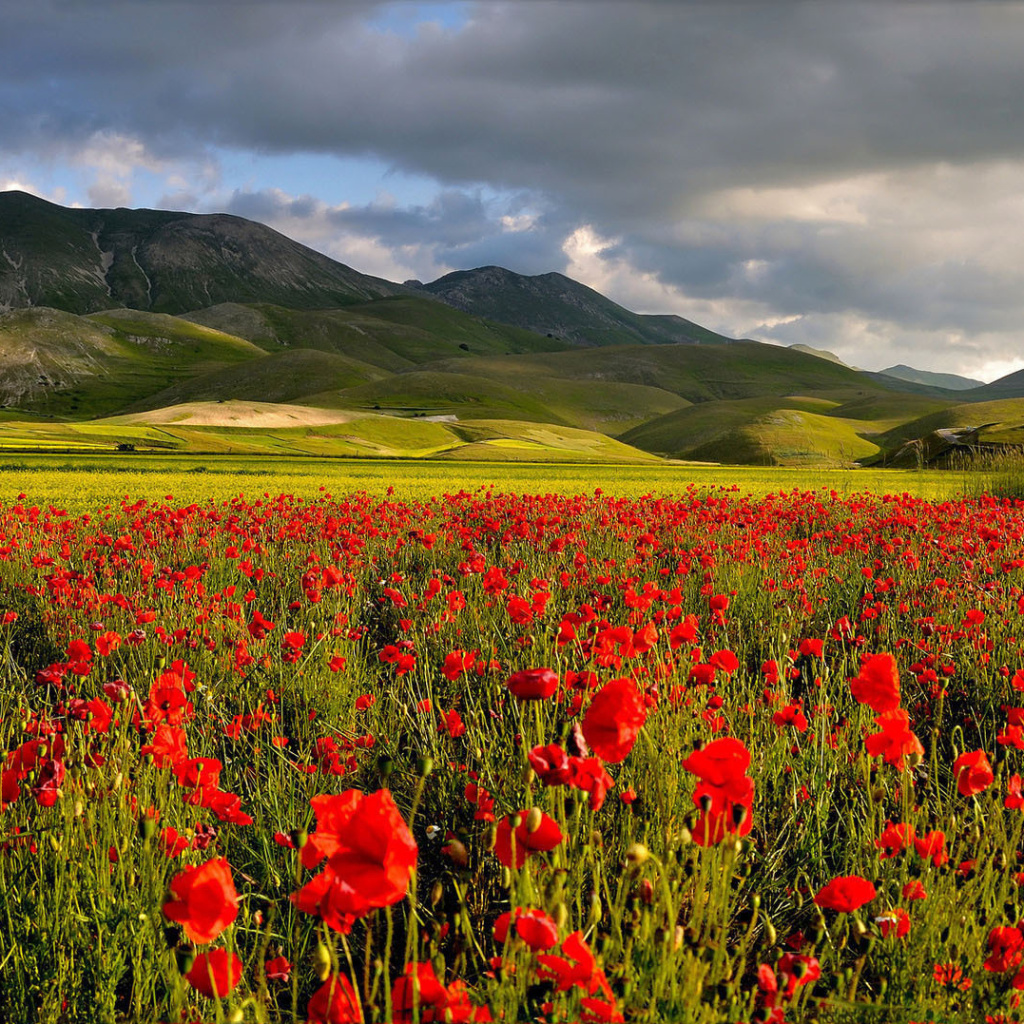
<point>385,765</point>
<point>436,893</point>
<point>637,853</point>
<point>561,915</point>
<point>528,775</point>
<point>595,908</point>
<point>424,766</point>
<point>771,936</point>
<point>322,961</point>
<point>457,851</point>
<point>236,1016</point>
<point>299,837</point>
<point>685,837</point>
<point>147,827</point>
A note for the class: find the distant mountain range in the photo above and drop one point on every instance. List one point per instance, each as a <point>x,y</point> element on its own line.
<point>136,313</point>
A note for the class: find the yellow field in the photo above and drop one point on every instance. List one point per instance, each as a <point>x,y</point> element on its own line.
<point>85,482</point>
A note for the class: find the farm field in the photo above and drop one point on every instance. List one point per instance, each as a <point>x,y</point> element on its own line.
<point>694,744</point>
<point>84,482</point>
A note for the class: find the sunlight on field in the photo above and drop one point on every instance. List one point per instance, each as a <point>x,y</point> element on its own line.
<point>83,482</point>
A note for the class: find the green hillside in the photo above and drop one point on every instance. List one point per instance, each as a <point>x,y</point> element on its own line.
<point>701,373</point>
<point>392,334</point>
<point>759,431</point>
<point>1002,419</point>
<point>607,406</point>
<point>283,377</point>
<point>59,364</point>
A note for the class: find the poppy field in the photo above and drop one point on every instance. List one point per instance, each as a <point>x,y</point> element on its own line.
<point>501,756</point>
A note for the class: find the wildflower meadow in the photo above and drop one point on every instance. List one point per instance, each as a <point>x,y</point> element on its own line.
<point>509,757</point>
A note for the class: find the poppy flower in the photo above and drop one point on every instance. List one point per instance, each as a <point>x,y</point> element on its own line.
<point>878,683</point>
<point>613,720</point>
<point>1005,953</point>
<point>720,761</point>
<point>535,832</point>
<point>896,740</point>
<point>278,969</point>
<point>206,901</point>
<point>215,974</point>
<point>534,927</point>
<point>370,856</point>
<point>551,763</point>
<point>533,683</point>
<point>973,772</point>
<point>896,922</point>
<point>895,839</point>
<point>335,1002</point>
<point>845,894</point>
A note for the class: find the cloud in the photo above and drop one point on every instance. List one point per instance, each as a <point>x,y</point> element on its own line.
<point>846,170</point>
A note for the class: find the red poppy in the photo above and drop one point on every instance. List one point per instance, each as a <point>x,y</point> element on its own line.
<point>535,832</point>
<point>932,846</point>
<point>168,747</point>
<point>534,927</point>
<point>206,901</point>
<point>215,974</point>
<point>1005,949</point>
<point>895,839</point>
<point>551,763</point>
<point>973,772</point>
<point>719,762</point>
<point>335,1002</point>
<point>896,922</point>
<point>613,720</point>
<point>370,855</point>
<point>896,740</point>
<point>533,683</point>
<point>278,969</point>
<point>845,894</point>
<point>878,684</point>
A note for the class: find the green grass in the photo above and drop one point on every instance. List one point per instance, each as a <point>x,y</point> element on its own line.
<point>1005,419</point>
<point>606,406</point>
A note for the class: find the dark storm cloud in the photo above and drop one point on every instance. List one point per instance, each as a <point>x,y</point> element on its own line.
<point>625,117</point>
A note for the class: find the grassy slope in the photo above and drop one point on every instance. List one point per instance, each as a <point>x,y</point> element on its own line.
<point>63,365</point>
<point>393,334</point>
<point>363,435</point>
<point>698,373</point>
<point>1006,417</point>
<point>282,377</point>
<point>759,431</point>
<point>610,407</point>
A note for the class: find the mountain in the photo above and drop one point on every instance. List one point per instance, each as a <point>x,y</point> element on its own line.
<point>1010,386</point>
<point>82,261</point>
<point>821,353</point>
<point>557,306</point>
<point>949,381</point>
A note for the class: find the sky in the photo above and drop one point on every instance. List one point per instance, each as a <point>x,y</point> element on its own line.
<point>844,175</point>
